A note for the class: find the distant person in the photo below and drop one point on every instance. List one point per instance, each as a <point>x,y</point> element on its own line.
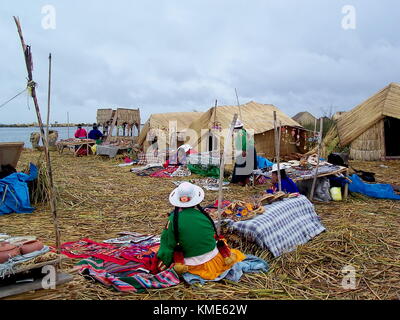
<point>95,134</point>
<point>246,157</point>
<point>81,133</point>
<point>288,185</point>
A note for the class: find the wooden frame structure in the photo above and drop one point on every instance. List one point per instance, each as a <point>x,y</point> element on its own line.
<point>127,118</point>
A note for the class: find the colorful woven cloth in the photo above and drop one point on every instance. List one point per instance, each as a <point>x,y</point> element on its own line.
<point>137,282</point>
<point>164,173</point>
<point>284,225</point>
<point>87,248</point>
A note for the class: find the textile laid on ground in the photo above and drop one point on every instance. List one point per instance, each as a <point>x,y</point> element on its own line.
<point>164,173</point>
<point>148,170</point>
<point>125,239</point>
<point>9,267</point>
<point>210,184</point>
<point>250,264</point>
<point>378,190</point>
<point>204,170</point>
<point>182,171</point>
<point>126,280</point>
<point>14,193</point>
<point>138,273</point>
<point>105,150</point>
<point>87,248</point>
<point>284,225</point>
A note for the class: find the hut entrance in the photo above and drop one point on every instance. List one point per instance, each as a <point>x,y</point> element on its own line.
<point>392,137</point>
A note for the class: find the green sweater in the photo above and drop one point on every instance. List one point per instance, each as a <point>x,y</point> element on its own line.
<point>242,140</point>
<point>196,236</point>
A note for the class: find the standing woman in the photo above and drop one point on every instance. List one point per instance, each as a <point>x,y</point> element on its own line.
<point>246,158</point>
<point>190,241</point>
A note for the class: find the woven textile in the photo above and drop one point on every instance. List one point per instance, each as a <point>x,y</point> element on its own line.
<point>284,225</point>
<point>138,282</point>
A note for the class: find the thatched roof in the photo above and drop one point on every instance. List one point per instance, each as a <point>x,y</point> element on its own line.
<point>162,120</point>
<point>256,116</point>
<point>304,118</point>
<point>385,103</point>
<point>129,116</point>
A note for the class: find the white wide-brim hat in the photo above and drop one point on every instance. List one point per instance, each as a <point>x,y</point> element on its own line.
<point>238,124</point>
<point>186,189</point>
<point>281,167</point>
<point>185,147</point>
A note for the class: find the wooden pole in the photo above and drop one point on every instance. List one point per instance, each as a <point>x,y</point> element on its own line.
<point>32,85</point>
<point>311,197</point>
<point>238,103</point>
<point>68,123</point>
<point>221,172</point>
<point>277,151</point>
<point>48,100</point>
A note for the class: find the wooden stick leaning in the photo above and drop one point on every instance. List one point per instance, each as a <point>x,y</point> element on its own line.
<point>311,196</point>
<point>221,172</point>
<point>277,151</point>
<point>32,86</point>
<point>48,101</point>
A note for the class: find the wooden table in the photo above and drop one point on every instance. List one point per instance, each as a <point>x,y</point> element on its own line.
<point>19,288</point>
<point>342,170</point>
<point>73,144</point>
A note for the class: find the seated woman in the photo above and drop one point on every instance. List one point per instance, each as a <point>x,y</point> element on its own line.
<point>287,184</point>
<point>190,239</point>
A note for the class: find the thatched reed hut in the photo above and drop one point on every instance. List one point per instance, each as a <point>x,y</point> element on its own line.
<point>371,129</point>
<point>305,118</point>
<point>128,119</point>
<point>257,117</point>
<point>158,127</point>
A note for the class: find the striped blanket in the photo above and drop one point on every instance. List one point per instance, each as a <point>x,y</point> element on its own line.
<point>284,225</point>
<point>124,279</point>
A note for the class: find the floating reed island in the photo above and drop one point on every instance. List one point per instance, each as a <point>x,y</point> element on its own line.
<point>97,199</point>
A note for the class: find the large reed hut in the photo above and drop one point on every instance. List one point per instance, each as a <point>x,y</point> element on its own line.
<point>158,125</point>
<point>372,128</point>
<point>255,116</point>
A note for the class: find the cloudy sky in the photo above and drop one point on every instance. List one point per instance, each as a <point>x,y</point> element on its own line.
<point>178,55</point>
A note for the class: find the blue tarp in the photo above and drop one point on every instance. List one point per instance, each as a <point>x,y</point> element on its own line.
<point>14,193</point>
<point>263,163</point>
<point>377,190</point>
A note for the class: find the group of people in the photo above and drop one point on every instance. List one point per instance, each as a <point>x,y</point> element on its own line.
<point>190,241</point>
<point>94,134</point>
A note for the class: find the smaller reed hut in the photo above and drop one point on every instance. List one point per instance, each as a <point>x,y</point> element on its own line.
<point>305,118</point>
<point>122,118</point>
<point>372,129</point>
<point>157,127</point>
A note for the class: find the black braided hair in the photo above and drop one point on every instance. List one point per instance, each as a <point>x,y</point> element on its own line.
<point>176,221</point>
<point>200,208</point>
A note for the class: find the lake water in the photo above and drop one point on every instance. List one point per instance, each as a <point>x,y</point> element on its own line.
<point>24,134</point>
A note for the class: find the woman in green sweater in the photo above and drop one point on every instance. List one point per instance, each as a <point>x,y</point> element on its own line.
<point>189,240</point>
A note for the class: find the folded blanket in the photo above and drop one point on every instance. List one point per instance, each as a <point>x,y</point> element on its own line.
<point>251,264</point>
